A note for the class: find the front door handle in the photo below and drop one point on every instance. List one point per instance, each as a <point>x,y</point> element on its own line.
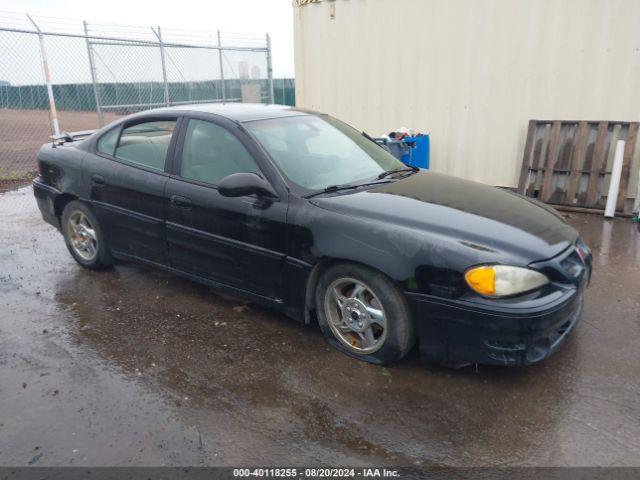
<point>97,179</point>
<point>181,202</point>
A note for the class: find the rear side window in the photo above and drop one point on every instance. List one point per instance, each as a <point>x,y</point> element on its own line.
<point>211,152</point>
<point>107,142</point>
<point>146,144</point>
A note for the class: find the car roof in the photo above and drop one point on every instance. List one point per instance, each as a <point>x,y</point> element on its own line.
<point>239,112</point>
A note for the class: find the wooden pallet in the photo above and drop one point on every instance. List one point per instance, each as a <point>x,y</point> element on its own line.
<point>567,162</point>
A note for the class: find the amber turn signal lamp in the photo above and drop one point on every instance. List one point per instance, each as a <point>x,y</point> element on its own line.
<point>482,280</point>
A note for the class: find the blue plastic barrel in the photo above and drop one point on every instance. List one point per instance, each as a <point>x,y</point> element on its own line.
<point>412,151</point>
<point>418,153</point>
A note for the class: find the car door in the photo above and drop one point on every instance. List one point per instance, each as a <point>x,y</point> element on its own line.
<point>234,241</point>
<point>126,174</point>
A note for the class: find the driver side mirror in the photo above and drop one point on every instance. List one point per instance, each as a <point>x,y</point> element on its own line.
<point>241,184</point>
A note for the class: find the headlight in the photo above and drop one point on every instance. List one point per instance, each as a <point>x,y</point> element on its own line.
<point>503,280</point>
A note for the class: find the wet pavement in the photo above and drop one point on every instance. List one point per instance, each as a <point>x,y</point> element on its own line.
<point>132,366</point>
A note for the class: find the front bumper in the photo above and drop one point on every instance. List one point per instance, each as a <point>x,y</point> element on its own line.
<point>462,332</point>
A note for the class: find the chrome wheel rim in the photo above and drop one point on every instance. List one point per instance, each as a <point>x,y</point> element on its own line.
<point>82,235</point>
<point>355,315</point>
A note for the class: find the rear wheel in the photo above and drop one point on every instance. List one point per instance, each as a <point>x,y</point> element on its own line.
<point>363,314</point>
<point>84,237</point>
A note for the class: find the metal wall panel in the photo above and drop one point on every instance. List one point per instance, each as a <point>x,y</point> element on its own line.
<point>473,73</point>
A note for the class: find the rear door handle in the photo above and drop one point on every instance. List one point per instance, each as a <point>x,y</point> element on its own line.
<point>181,202</point>
<point>97,179</point>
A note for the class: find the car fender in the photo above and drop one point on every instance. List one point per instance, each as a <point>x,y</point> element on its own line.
<point>406,255</point>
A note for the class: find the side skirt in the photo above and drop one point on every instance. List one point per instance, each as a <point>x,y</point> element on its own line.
<point>268,302</point>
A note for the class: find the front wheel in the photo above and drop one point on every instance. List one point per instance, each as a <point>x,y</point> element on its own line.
<point>362,313</point>
<point>84,237</point>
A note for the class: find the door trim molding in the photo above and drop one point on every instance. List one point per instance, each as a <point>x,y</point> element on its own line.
<point>124,211</point>
<point>225,240</point>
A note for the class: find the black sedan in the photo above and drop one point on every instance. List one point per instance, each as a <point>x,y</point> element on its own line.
<point>296,210</point>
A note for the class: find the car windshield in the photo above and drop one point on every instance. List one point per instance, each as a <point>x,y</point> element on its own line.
<point>318,151</point>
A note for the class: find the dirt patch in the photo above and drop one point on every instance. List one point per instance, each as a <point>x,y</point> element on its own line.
<point>22,133</point>
<point>14,183</point>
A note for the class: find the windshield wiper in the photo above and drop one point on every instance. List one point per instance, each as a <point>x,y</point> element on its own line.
<point>369,137</point>
<point>337,188</point>
<point>397,170</point>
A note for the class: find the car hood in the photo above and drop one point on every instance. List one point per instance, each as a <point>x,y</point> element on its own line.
<point>482,217</point>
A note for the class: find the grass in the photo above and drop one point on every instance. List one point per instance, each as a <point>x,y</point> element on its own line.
<point>17,176</point>
<point>13,180</point>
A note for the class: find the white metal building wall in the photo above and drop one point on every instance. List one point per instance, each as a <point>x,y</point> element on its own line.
<point>471,72</point>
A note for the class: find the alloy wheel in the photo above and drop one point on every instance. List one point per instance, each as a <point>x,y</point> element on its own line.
<point>355,315</point>
<point>82,234</point>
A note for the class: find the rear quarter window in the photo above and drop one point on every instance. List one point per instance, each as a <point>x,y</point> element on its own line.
<point>107,142</point>
<point>146,144</point>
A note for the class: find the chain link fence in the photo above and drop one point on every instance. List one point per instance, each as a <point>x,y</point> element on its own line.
<point>67,75</point>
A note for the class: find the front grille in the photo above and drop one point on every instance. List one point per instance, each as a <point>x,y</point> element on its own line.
<point>573,266</point>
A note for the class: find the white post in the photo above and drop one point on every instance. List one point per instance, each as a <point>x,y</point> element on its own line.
<point>614,183</point>
<point>53,113</point>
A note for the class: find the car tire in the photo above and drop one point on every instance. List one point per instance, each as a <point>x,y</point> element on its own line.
<point>345,323</point>
<point>84,237</point>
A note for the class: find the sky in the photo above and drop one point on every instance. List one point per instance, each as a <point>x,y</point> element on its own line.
<point>238,16</point>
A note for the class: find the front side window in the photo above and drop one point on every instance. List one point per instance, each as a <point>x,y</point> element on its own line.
<point>211,152</point>
<point>317,151</point>
<point>146,144</point>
